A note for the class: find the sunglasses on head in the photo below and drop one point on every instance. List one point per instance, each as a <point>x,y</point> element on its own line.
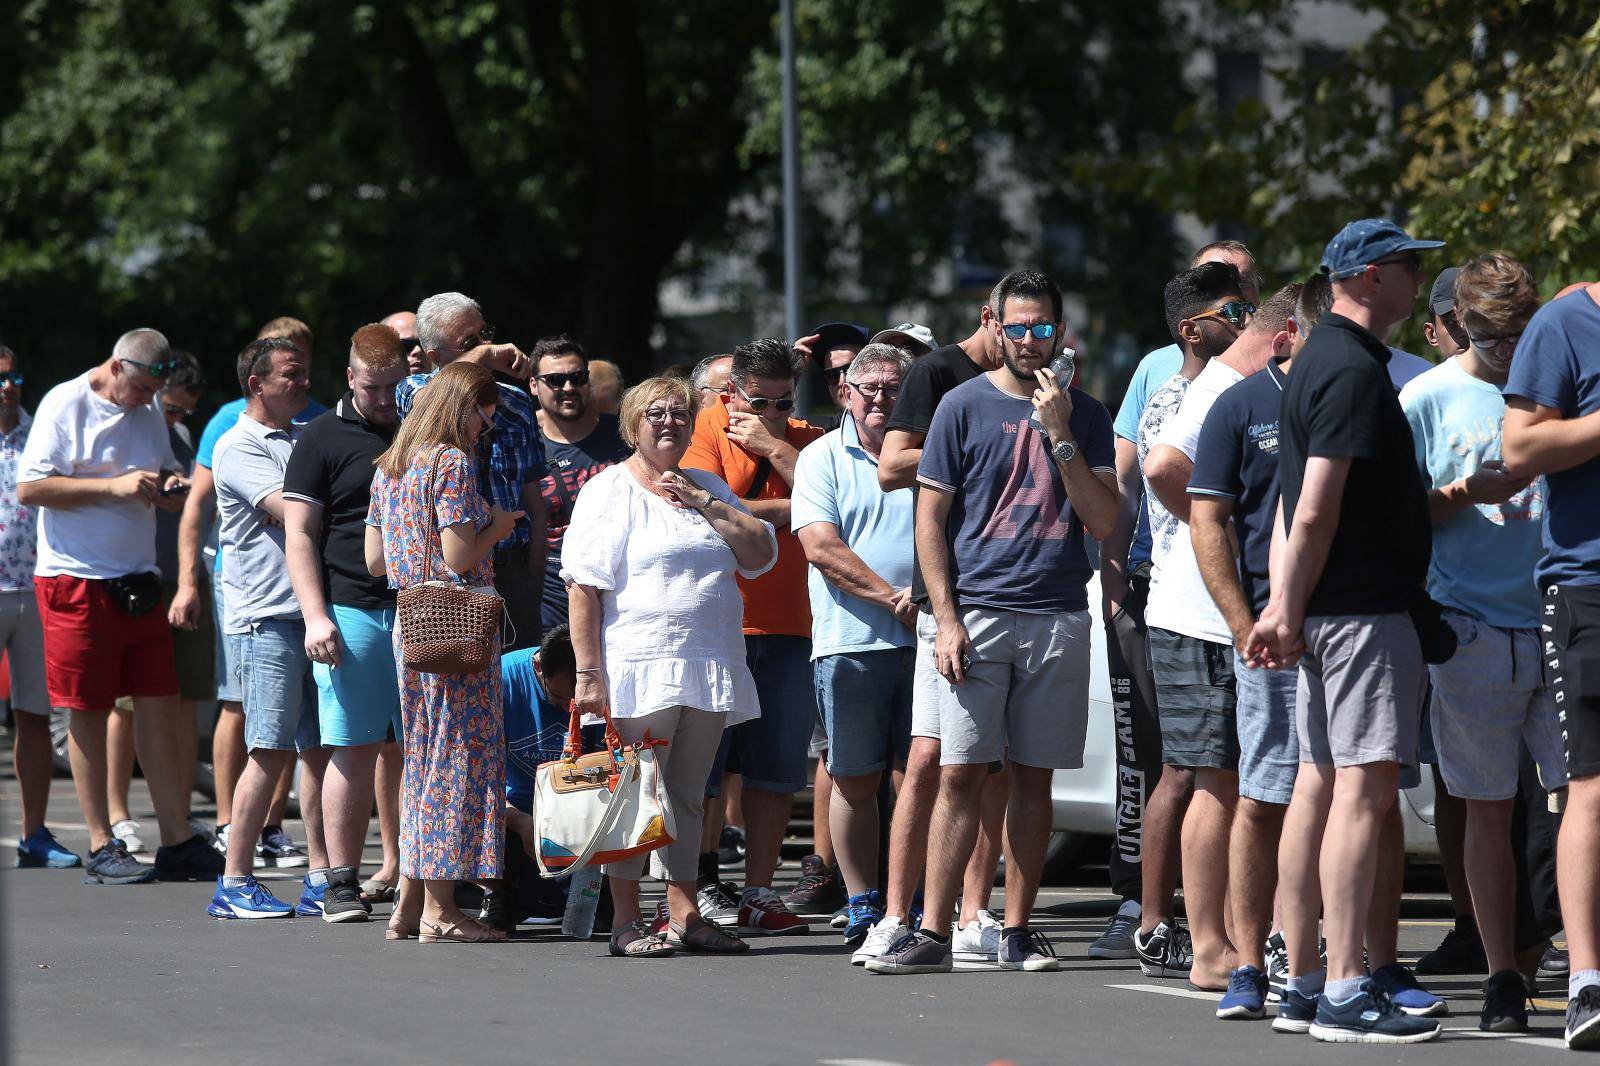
<point>1237,313</point>
<point>7,380</point>
<point>761,403</point>
<point>155,370</point>
<point>1042,330</point>
<point>561,379</point>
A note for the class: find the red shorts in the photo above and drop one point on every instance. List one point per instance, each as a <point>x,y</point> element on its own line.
<point>94,653</point>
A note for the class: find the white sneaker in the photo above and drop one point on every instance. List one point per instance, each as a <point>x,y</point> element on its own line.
<point>127,831</point>
<point>880,938</point>
<point>219,840</point>
<point>977,941</point>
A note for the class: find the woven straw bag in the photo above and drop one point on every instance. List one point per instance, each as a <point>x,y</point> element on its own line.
<point>446,628</point>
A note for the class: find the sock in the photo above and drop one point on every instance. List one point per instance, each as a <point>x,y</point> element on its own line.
<point>751,892</point>
<point>316,878</point>
<point>1342,991</point>
<point>1308,984</point>
<point>709,870</point>
<point>1013,930</point>
<point>1130,909</point>
<point>234,882</point>
<point>935,937</point>
<point>1581,979</point>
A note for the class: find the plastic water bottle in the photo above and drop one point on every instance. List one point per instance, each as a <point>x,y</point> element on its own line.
<point>583,896</point>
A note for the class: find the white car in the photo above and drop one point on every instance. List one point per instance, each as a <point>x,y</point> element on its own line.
<point>1085,802</point>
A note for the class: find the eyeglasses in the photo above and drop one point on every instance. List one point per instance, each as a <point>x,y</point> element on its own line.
<point>174,410</point>
<point>155,370</point>
<point>872,392</point>
<point>8,380</point>
<point>561,380</point>
<point>1410,260</point>
<point>485,336</point>
<point>1042,330</point>
<point>761,403</point>
<point>1237,312</point>
<point>659,416</point>
<point>1489,344</point>
<point>715,390</point>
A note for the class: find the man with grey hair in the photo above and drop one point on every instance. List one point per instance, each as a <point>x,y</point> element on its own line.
<point>710,377</point>
<point>511,462</point>
<point>97,463</point>
<point>858,540</point>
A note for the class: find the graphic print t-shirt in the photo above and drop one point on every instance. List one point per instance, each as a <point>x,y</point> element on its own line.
<point>1162,405</point>
<point>1015,543</point>
<point>572,465</point>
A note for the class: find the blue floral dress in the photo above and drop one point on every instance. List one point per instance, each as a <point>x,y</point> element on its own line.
<point>452,798</point>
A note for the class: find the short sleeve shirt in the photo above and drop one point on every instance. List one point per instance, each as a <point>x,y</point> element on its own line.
<point>1015,542</point>
<point>437,491</point>
<point>1163,404</point>
<point>249,463</point>
<point>571,465</point>
<point>19,525</point>
<point>1153,371</point>
<point>926,382</point>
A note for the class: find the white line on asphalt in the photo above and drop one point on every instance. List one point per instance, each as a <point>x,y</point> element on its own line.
<point>858,1062</point>
<point>1168,990</point>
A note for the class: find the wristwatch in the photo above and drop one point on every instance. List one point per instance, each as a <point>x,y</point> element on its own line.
<point>1064,451</point>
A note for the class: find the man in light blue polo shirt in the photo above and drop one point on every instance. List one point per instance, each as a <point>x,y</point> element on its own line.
<point>858,540</point>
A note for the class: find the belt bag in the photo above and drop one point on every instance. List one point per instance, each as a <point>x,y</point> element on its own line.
<point>1438,640</point>
<point>135,594</point>
<point>608,806</point>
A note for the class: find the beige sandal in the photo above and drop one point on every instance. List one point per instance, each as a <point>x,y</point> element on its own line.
<point>636,941</point>
<point>465,931</point>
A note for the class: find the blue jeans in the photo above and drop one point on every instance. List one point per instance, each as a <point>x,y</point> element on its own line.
<point>280,698</point>
<point>865,698</point>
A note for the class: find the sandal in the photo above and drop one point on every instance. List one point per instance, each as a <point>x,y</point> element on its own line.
<point>401,932</point>
<point>377,890</point>
<point>638,942</point>
<point>465,931</point>
<point>706,938</point>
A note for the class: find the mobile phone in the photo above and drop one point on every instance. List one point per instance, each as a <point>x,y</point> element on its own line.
<point>175,489</point>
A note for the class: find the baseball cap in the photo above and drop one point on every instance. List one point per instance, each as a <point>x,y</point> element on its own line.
<point>839,335</point>
<point>1365,241</point>
<point>1442,300</point>
<point>918,339</point>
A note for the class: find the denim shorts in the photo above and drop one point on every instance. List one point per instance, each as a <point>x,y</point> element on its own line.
<point>771,751</point>
<point>227,664</point>
<point>1269,750</point>
<point>280,698</point>
<point>865,698</point>
<point>358,702</point>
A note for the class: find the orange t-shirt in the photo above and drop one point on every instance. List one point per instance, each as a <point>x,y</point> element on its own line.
<point>776,603</point>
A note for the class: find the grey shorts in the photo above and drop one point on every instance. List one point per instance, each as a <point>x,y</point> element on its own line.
<point>926,684</point>
<point>1362,682</point>
<point>22,639</point>
<point>1026,697</point>
<point>1269,752</point>
<point>1490,694</point>
<point>1194,700</point>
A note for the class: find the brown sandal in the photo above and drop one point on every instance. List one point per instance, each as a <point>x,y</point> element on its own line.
<point>706,938</point>
<point>465,931</point>
<point>636,941</point>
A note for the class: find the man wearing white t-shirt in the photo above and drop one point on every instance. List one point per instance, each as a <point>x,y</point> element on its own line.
<point>96,464</point>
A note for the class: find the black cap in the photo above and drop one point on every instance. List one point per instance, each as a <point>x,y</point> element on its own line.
<point>840,335</point>
<point>1442,300</point>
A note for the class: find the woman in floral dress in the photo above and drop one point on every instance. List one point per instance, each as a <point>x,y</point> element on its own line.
<point>425,499</point>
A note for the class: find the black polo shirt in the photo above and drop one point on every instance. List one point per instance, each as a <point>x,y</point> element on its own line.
<point>332,466</point>
<point>1339,403</point>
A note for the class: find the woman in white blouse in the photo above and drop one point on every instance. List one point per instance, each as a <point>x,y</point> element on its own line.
<point>649,560</point>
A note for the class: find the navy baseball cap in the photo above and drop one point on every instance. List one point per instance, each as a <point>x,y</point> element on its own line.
<point>1365,241</point>
<point>841,335</point>
<point>1442,298</point>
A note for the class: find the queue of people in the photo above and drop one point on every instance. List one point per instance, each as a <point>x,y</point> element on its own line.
<point>1322,561</point>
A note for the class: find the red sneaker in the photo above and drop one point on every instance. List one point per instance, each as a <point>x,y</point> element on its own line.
<point>658,924</point>
<point>762,913</point>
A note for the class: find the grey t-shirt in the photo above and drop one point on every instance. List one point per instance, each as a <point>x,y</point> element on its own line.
<point>248,463</point>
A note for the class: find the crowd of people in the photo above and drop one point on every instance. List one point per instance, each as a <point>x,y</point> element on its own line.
<point>1322,563</point>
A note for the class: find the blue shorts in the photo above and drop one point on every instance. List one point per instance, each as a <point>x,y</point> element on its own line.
<point>1269,749</point>
<point>280,699</point>
<point>771,751</point>
<point>228,690</point>
<point>359,701</point>
<point>865,698</point>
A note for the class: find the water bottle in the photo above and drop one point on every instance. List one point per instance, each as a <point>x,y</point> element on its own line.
<point>1064,366</point>
<point>583,896</point>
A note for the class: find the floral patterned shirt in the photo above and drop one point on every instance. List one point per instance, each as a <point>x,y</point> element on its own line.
<point>400,509</point>
<point>19,525</point>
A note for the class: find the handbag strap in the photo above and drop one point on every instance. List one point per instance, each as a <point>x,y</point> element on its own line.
<point>430,497</point>
<point>574,746</point>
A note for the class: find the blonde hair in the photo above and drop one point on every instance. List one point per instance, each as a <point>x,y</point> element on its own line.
<point>288,328</point>
<point>642,395</point>
<point>441,413</point>
<point>1495,296</point>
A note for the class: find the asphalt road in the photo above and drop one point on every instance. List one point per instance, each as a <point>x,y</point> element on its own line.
<point>139,974</point>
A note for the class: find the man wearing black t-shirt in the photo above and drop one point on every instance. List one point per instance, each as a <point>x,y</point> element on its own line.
<point>1354,515</point>
<point>349,614</point>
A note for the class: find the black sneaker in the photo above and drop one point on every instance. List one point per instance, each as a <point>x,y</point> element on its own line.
<point>341,901</point>
<point>719,903</point>
<point>497,911</point>
<point>1277,953</point>
<point>730,846</point>
<point>1461,951</point>
<point>1117,941</point>
<point>112,865</point>
<point>1369,1017</point>
<point>820,890</point>
<point>917,953</point>
<point>1505,1003</point>
<point>1167,950</point>
<point>1296,1012</point>
<point>277,849</point>
<point>193,860</point>
<point>1555,963</point>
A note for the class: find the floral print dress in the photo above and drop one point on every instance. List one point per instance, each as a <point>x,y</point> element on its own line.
<point>452,798</point>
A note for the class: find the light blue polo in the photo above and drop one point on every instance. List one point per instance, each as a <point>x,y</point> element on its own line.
<point>836,481</point>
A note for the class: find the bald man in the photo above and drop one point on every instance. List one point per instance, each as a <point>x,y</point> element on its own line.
<point>405,324</point>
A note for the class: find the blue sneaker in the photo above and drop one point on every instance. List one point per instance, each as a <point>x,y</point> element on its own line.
<point>310,905</point>
<point>1397,982</point>
<point>865,911</point>
<point>249,900</point>
<point>1296,1012</point>
<point>1247,995</point>
<point>1369,1017</point>
<point>40,848</point>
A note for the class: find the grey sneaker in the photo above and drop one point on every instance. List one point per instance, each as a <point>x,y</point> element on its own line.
<point>919,953</point>
<point>1117,941</point>
<point>341,901</point>
<point>1030,951</point>
<point>718,903</point>
<point>112,865</point>
<point>277,849</point>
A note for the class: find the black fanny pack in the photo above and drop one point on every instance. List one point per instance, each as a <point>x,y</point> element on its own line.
<point>1437,638</point>
<point>135,594</point>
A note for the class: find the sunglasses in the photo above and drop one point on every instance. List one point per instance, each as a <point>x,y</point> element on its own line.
<point>155,370</point>
<point>833,373</point>
<point>1489,344</point>
<point>761,403</point>
<point>1237,313</point>
<point>485,336</point>
<point>659,416</point>
<point>872,392</point>
<point>408,345</point>
<point>561,380</point>
<point>8,380</point>
<point>1042,330</point>
<point>176,411</point>
<point>1410,260</point>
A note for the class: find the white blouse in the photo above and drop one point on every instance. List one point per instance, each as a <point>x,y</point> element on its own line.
<point>672,620</point>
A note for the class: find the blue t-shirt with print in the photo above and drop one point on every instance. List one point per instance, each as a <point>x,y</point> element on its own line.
<point>1015,543</point>
<point>1153,371</point>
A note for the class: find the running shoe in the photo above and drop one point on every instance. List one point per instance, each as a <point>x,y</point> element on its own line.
<point>127,831</point>
<point>1505,1003</point>
<point>719,905</point>
<point>199,828</point>
<point>193,860</point>
<point>40,848</point>
<point>249,900</point>
<point>1461,951</point>
<point>1167,950</point>
<point>276,849</point>
<point>762,913</point>
<point>978,940</point>
<point>112,865</point>
<point>880,939</point>
<point>918,953</point>
<point>661,921</point>
<point>820,890</point>
<point>1296,1012</point>
<point>220,840</point>
<point>1555,963</point>
<point>1117,941</point>
<point>1028,950</point>
<point>730,846</point>
<point>1397,982</point>
<point>1369,1017</point>
<point>865,911</point>
<point>1583,1019</point>
<point>1246,996</point>
<point>1277,954</point>
<point>341,898</point>
<point>841,917</point>
<point>311,898</point>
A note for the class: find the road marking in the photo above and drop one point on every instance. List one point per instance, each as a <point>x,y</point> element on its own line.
<point>859,1062</point>
<point>1169,990</point>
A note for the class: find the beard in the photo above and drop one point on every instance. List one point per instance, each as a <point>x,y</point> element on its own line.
<point>1017,371</point>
